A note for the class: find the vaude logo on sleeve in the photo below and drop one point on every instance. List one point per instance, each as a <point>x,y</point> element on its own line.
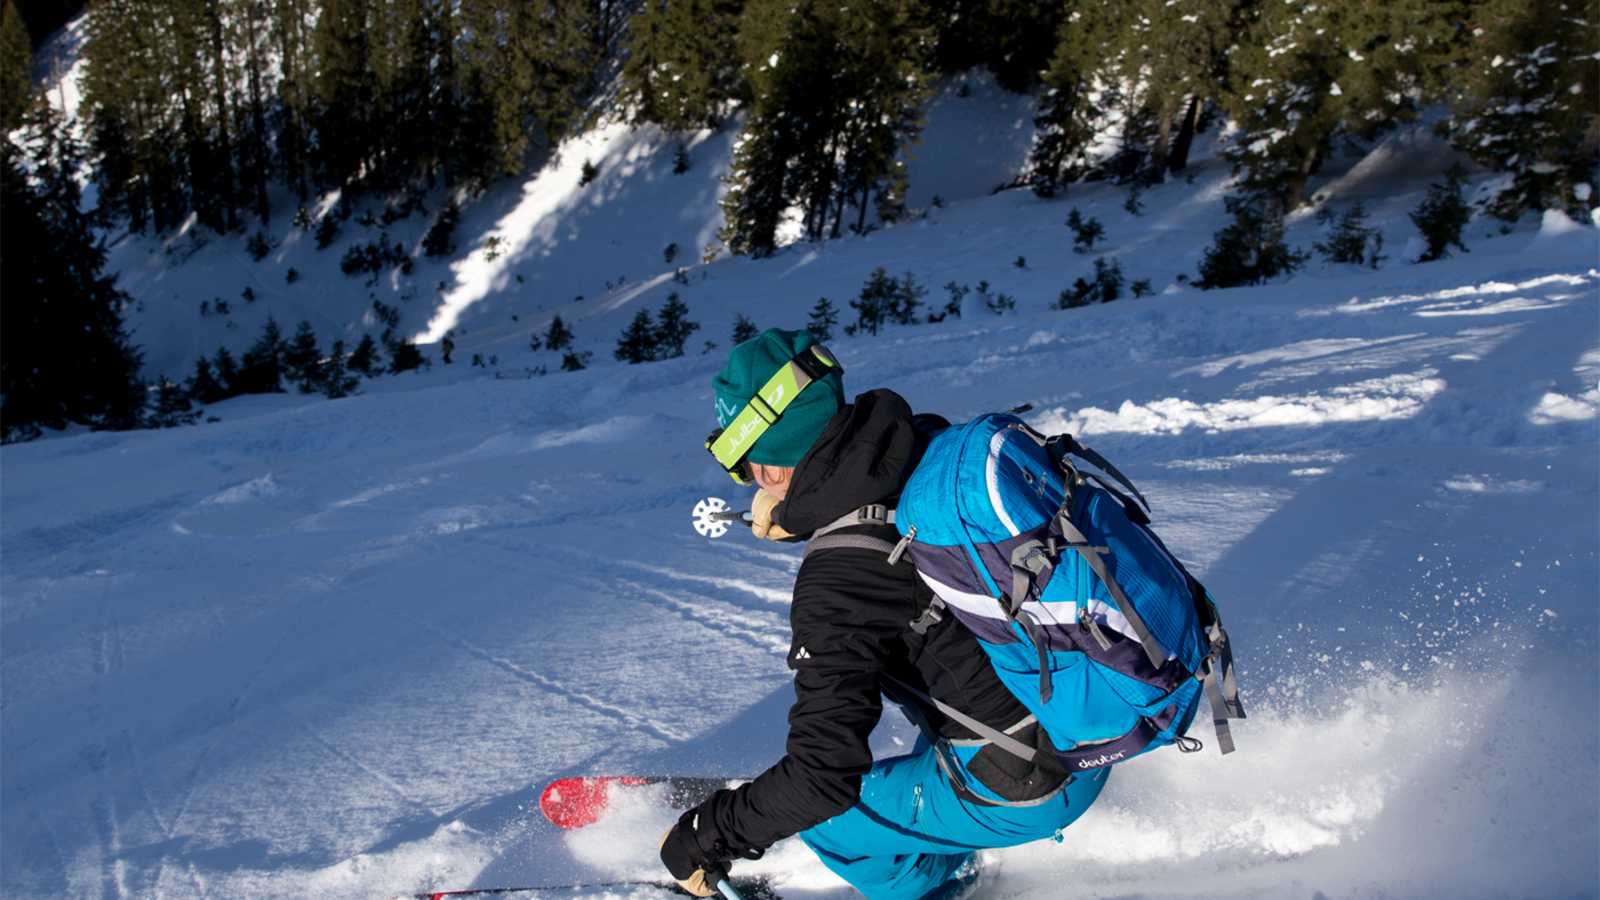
<point>1101,760</point>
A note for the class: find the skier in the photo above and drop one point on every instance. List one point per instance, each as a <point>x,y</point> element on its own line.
<point>897,829</point>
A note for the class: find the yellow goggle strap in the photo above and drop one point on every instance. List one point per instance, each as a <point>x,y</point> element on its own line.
<point>768,404</point>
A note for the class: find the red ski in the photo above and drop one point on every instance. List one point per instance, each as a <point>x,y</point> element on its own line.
<point>583,800</point>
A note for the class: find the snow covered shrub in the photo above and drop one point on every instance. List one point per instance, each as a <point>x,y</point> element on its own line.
<point>884,299</point>
<point>372,258</point>
<point>1141,288</point>
<point>1106,286</point>
<point>954,294</point>
<point>680,160</point>
<point>1020,262</point>
<point>1085,232</point>
<point>997,303</point>
<point>670,253</point>
<point>292,275</point>
<point>1442,215</point>
<point>572,362</point>
<point>1250,249</point>
<point>1351,240</point>
<point>259,246</point>
<point>743,329</point>
<point>590,173</point>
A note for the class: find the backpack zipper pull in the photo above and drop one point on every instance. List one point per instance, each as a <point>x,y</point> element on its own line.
<point>1087,621</point>
<point>900,548</point>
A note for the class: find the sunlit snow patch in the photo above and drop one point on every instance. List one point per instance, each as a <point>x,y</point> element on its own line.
<point>1399,396</point>
<point>254,489</point>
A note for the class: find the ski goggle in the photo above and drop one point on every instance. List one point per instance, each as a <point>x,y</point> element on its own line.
<point>731,444</point>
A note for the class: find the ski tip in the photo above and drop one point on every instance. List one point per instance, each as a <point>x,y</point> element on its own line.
<point>576,802</point>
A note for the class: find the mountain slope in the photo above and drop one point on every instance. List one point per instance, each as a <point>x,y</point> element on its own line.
<point>328,647</point>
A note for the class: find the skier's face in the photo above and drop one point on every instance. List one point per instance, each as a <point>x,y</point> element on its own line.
<point>772,479</point>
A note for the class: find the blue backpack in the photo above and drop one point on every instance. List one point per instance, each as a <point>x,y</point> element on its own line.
<point>1086,616</point>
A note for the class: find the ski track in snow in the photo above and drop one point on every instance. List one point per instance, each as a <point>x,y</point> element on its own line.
<point>331,648</point>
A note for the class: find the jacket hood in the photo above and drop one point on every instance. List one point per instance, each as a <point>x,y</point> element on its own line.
<point>864,455</point>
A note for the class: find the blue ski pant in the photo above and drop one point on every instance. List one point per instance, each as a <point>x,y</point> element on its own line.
<point>910,832</point>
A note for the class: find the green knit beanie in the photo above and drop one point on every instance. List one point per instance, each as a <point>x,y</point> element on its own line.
<point>749,366</point>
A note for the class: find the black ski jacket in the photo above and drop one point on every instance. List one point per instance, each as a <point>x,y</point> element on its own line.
<point>850,619</point>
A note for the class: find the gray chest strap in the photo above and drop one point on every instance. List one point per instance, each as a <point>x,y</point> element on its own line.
<point>824,538</point>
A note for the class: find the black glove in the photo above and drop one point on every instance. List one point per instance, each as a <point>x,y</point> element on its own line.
<point>695,870</point>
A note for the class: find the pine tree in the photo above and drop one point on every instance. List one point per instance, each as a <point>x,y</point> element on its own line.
<point>336,380</point>
<point>837,89</point>
<point>302,359</point>
<point>682,69</point>
<point>405,357</point>
<point>1524,101</point>
<point>64,355</point>
<point>1250,249</point>
<point>823,317</point>
<point>203,385</point>
<point>365,358</point>
<point>559,336</point>
<point>440,239</point>
<point>743,329</point>
<point>673,327</point>
<point>1442,216</point>
<point>173,407</point>
<point>1306,74</point>
<point>261,368</point>
<point>874,306</point>
<point>16,62</point>
<point>637,343</point>
<point>227,373</point>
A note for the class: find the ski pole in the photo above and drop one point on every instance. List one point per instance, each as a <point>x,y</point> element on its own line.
<point>728,890</point>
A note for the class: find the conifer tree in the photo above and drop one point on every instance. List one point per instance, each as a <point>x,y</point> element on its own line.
<point>1308,73</point>
<point>673,327</point>
<point>365,358</point>
<point>405,357</point>
<point>302,359</point>
<point>261,368</point>
<point>837,89</point>
<point>1078,86</point>
<point>683,63</point>
<point>336,380</point>
<point>743,329</point>
<point>1524,101</point>
<point>637,343</point>
<point>172,405</point>
<point>227,373</point>
<point>16,57</point>
<point>64,356</point>
<point>559,336</point>
<point>203,385</point>
<point>823,317</point>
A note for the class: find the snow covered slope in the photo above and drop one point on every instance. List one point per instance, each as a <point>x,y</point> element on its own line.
<point>328,648</point>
